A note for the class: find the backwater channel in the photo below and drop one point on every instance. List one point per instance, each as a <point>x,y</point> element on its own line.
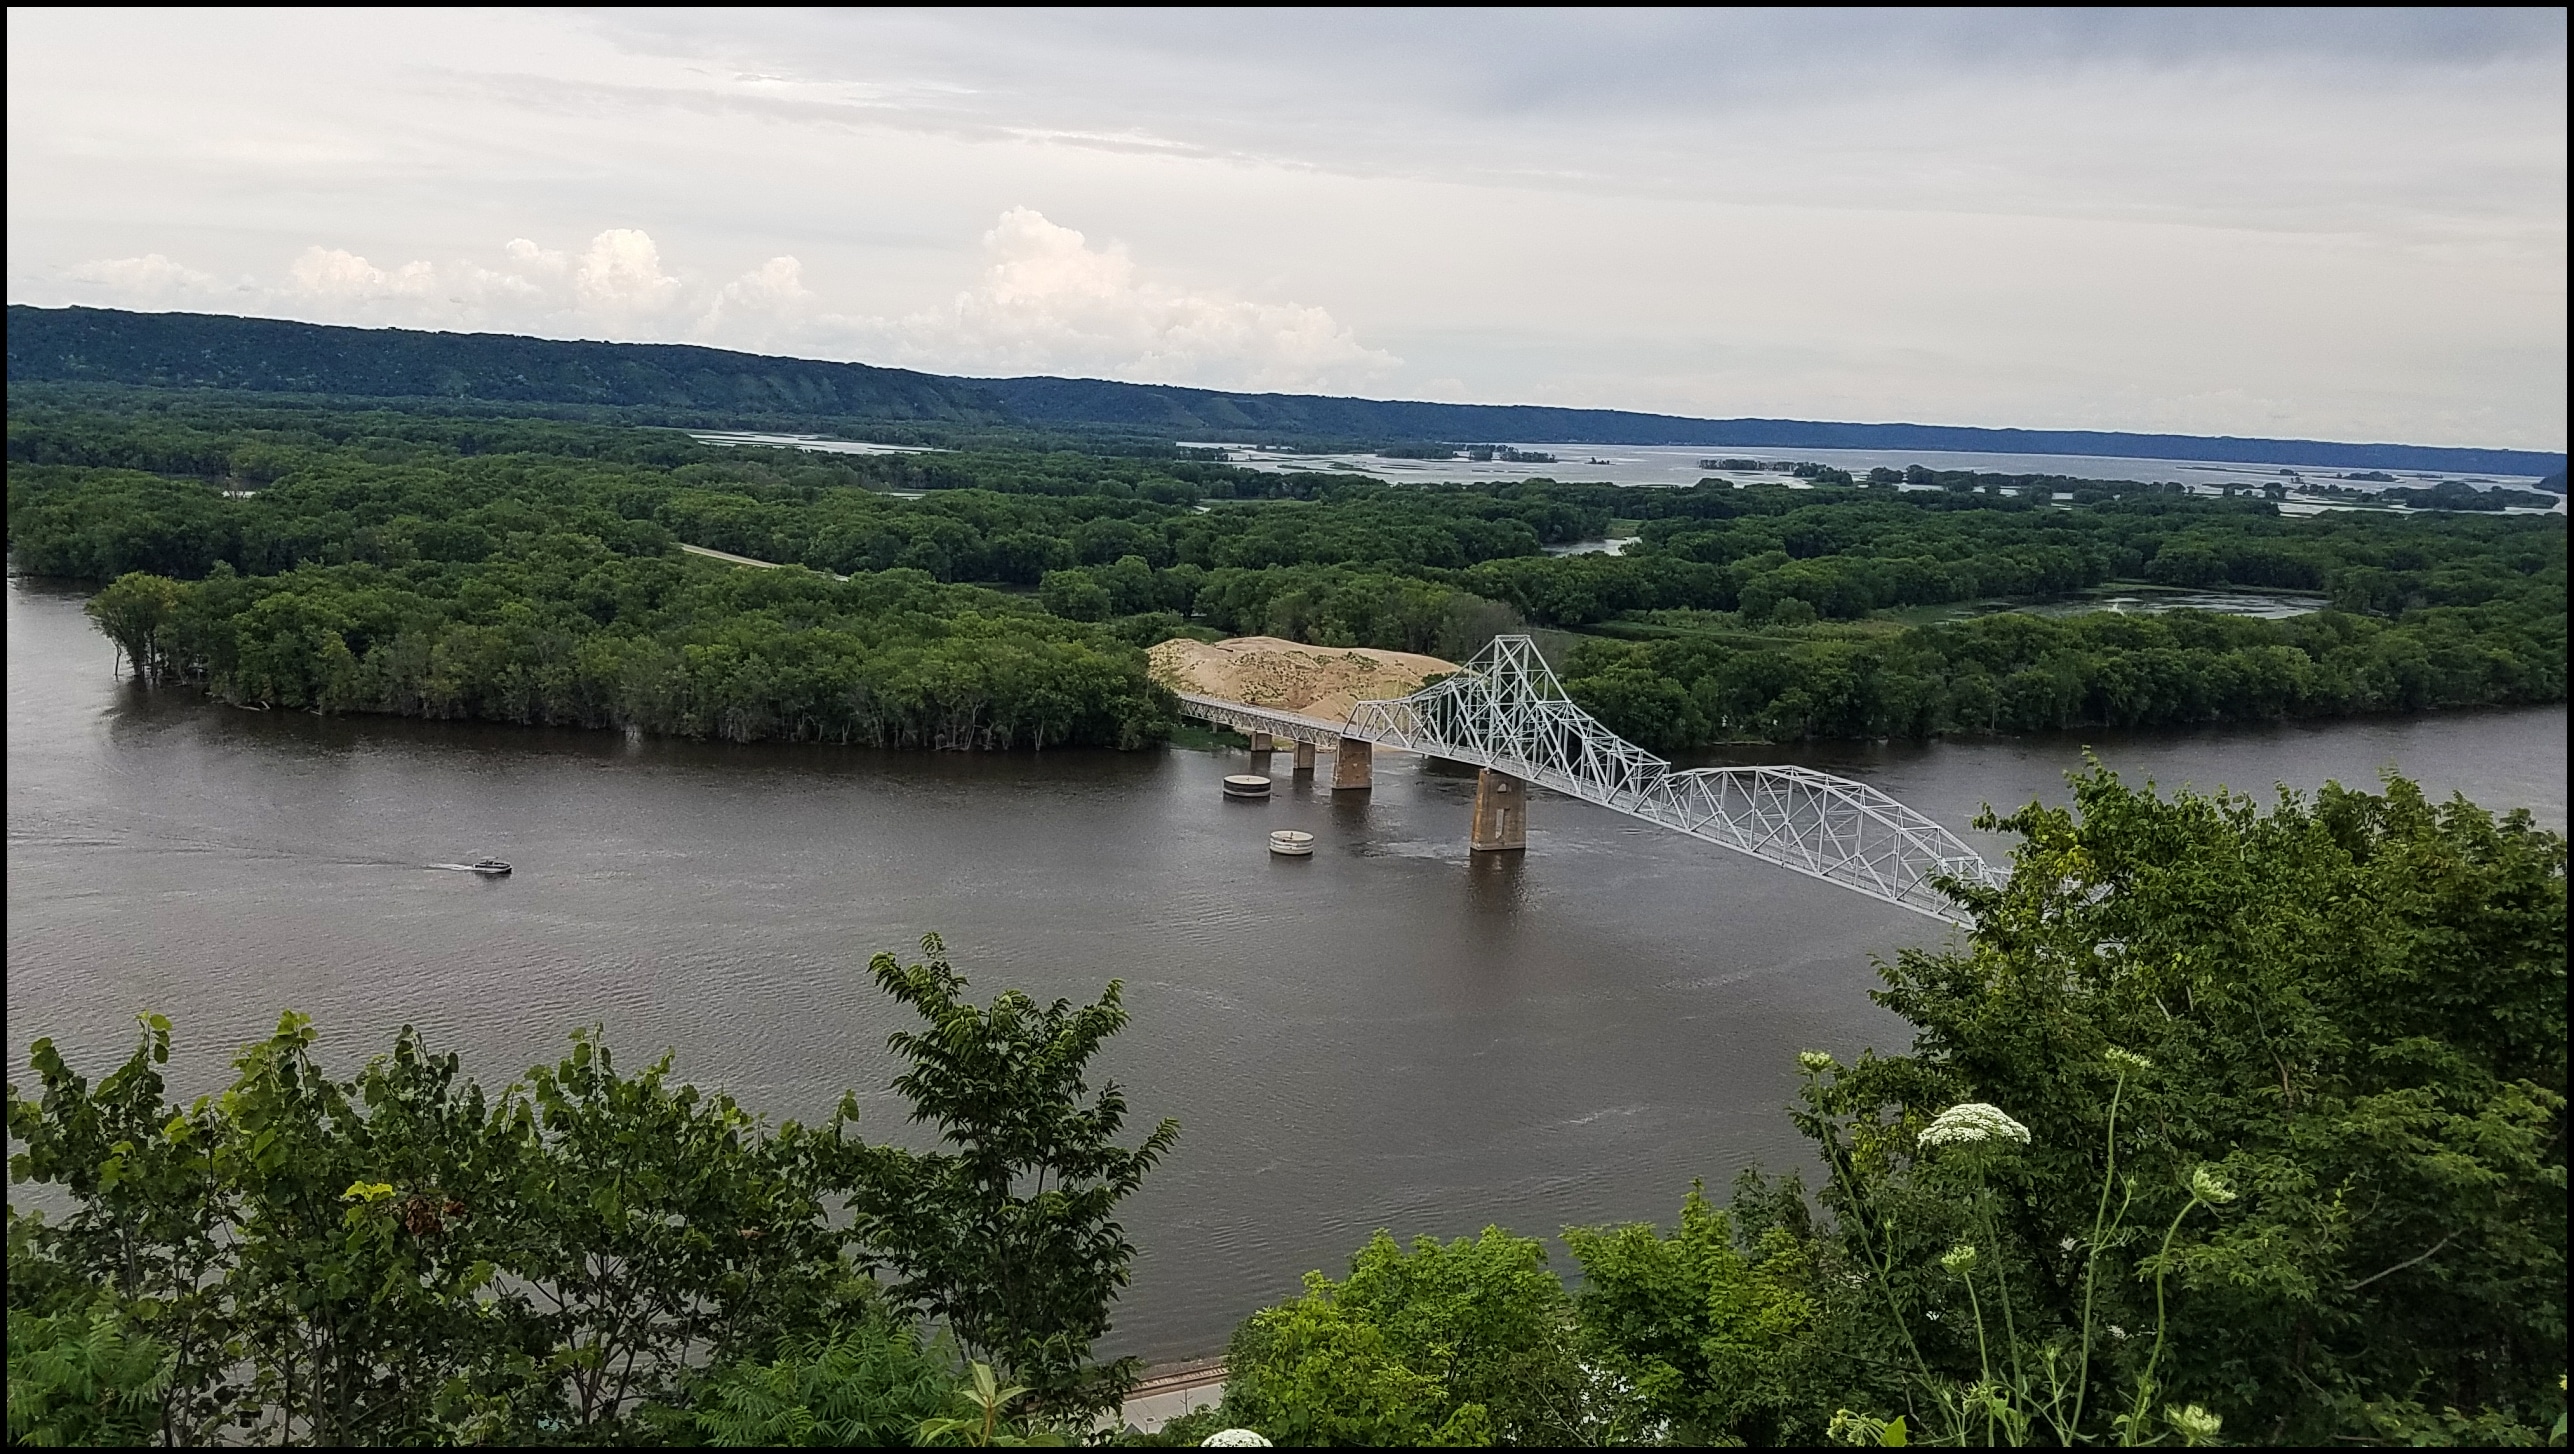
<point>1389,1034</point>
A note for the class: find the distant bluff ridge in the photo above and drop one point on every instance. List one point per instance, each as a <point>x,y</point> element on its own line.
<point>701,386</point>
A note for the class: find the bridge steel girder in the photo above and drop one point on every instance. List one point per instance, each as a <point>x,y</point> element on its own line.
<point>1245,718</point>
<point>1506,712</point>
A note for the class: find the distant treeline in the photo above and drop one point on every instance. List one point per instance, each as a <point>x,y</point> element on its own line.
<point>527,570</point>
<point>1479,453</point>
<point>205,351</point>
<point>202,351</point>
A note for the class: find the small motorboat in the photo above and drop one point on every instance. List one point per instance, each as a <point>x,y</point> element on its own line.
<point>491,867</point>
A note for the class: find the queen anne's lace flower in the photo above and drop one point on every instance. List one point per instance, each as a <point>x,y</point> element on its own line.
<point>2194,1424</point>
<point>1973,1121</point>
<point>1234,1439</point>
<point>2210,1188</point>
<point>1959,1259</point>
<point>1814,1060</point>
<point>2126,1060</point>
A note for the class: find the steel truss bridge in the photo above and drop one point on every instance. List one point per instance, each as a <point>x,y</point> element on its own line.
<point>1505,711</point>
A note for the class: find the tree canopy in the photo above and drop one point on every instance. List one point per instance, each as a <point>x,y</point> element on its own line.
<point>335,558</point>
<point>588,1254</point>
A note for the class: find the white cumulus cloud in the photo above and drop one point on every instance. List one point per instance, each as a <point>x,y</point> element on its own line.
<point>331,272</point>
<point>619,278</point>
<point>616,287</point>
<point>1050,302</point>
<point>140,281</point>
<point>760,307</point>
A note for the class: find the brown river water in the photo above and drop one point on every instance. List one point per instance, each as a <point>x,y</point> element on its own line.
<point>1389,1034</point>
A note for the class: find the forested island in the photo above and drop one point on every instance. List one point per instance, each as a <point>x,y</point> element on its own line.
<point>338,557</point>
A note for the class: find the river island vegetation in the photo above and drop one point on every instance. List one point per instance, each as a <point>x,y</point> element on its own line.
<point>2224,1122</point>
<point>474,563</point>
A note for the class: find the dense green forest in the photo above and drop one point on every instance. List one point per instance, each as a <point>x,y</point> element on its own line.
<point>319,556</point>
<point>2225,1123</point>
<point>212,351</point>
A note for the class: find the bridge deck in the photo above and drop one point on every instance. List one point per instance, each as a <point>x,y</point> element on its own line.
<point>1277,722</point>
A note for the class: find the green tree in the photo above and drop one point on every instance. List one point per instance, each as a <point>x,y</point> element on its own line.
<point>1077,595</point>
<point>1009,1235</point>
<point>149,1224</point>
<point>1717,1341</point>
<point>2349,1010</point>
<point>135,612</point>
<point>662,1227</point>
<point>1468,1341</point>
<point>364,1229</point>
<point>1313,1372</point>
<point>391,1258</point>
<point>1487,1317</point>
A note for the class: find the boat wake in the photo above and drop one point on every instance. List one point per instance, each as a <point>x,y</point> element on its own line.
<point>488,868</point>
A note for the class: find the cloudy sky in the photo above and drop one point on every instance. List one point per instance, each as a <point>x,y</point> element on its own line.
<point>2337,224</point>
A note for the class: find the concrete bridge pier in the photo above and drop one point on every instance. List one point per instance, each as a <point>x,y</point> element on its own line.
<point>1501,813</point>
<point>1260,742</point>
<point>1353,767</point>
<point>1304,756</point>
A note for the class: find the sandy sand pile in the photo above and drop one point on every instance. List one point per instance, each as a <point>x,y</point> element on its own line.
<point>1319,681</point>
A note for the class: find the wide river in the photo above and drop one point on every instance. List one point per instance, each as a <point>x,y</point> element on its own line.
<point>1390,1034</point>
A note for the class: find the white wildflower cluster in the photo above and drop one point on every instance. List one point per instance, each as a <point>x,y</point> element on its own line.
<point>2195,1425</point>
<point>1234,1439</point>
<point>1959,1259</point>
<point>2126,1062</point>
<point>1973,1121</point>
<point>1815,1061</point>
<point>2209,1187</point>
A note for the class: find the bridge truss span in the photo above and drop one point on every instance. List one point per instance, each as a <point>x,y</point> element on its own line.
<point>1826,827</point>
<point>1506,711</point>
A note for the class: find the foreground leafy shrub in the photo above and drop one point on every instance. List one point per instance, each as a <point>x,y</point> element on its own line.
<point>592,1254</point>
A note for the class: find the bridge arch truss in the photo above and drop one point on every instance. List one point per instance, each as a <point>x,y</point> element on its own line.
<point>1506,711</point>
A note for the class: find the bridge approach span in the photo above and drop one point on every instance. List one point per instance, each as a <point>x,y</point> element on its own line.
<point>1506,712</point>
